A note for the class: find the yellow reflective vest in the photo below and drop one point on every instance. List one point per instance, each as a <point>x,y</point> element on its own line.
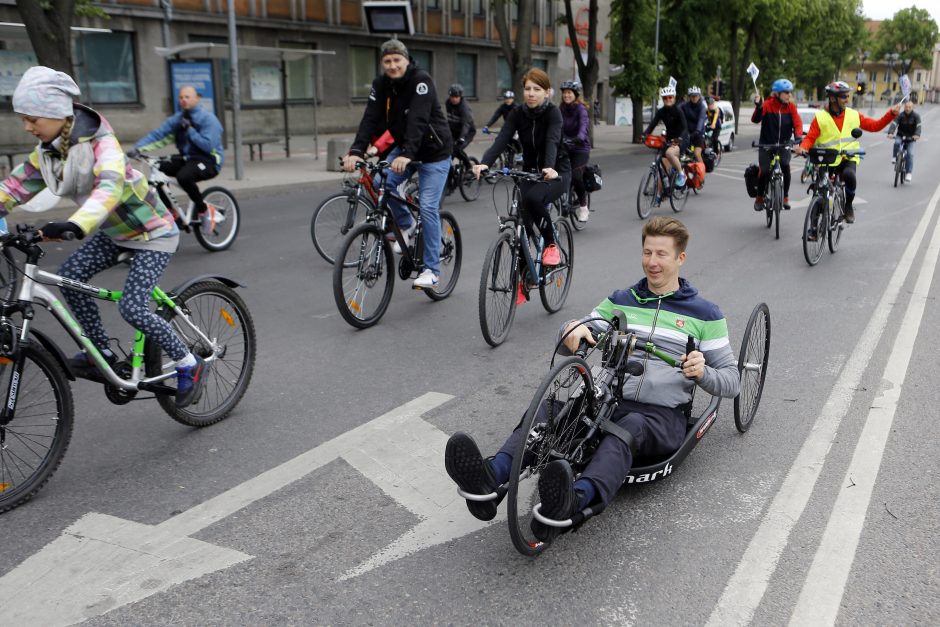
<point>831,137</point>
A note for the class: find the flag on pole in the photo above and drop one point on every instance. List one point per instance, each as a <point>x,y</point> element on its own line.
<point>673,82</point>
<point>753,71</point>
<point>905,85</point>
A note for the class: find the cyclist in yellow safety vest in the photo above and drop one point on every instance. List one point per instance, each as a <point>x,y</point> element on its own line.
<point>832,128</point>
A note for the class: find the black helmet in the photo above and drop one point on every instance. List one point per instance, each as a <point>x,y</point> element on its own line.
<point>509,94</point>
<point>455,90</point>
<point>838,88</point>
<point>574,86</point>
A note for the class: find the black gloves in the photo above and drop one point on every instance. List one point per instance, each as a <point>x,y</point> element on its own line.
<point>58,230</point>
<point>185,123</point>
<point>133,153</point>
<point>460,142</point>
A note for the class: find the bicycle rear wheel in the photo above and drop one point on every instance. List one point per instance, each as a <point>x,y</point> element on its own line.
<point>678,197</point>
<point>556,280</point>
<point>33,444</point>
<point>899,170</point>
<point>497,298</point>
<point>836,220</point>
<point>334,218</point>
<point>553,430</point>
<point>469,183</point>
<point>364,280</point>
<point>815,227</point>
<point>752,366</point>
<point>223,317</point>
<point>646,194</point>
<point>218,226</point>
<point>451,257</point>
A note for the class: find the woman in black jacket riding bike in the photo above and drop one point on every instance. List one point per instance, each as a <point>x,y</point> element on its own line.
<point>538,123</point>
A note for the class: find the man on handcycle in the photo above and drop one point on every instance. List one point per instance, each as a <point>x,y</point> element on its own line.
<point>662,308</point>
<point>677,132</point>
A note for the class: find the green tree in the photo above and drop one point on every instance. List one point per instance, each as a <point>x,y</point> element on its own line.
<point>49,26</point>
<point>911,33</point>
<point>631,47</point>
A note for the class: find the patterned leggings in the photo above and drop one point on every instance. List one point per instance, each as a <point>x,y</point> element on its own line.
<point>100,253</point>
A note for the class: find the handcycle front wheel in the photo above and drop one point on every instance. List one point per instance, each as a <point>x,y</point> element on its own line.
<point>752,366</point>
<point>497,298</point>
<point>218,226</point>
<point>556,280</point>
<point>450,258</point>
<point>334,218</point>
<point>550,429</point>
<point>364,276</point>
<point>222,316</point>
<point>35,441</point>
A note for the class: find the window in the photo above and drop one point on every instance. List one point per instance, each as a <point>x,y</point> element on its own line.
<point>467,74</point>
<point>917,77</point>
<point>226,75</point>
<point>479,7</point>
<point>105,67</point>
<point>434,5</point>
<point>301,74</point>
<point>873,76</point>
<point>423,59</point>
<point>364,70</point>
<point>456,6</point>
<point>503,75</point>
<point>16,56</point>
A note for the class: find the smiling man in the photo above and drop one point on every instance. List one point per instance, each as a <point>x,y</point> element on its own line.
<point>662,308</point>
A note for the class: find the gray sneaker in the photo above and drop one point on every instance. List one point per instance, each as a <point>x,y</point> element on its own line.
<point>406,233</point>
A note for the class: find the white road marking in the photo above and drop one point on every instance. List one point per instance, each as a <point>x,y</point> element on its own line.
<point>746,587</point>
<point>824,587</point>
<point>100,562</point>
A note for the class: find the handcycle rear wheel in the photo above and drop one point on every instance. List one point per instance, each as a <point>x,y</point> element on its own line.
<point>365,273</point>
<point>35,441</point>
<point>815,225</point>
<point>218,226</point>
<point>450,258</point>
<point>646,194</point>
<point>222,316</point>
<point>553,430</point>
<point>752,366</point>
<point>334,218</point>
<point>497,299</point>
<point>556,281</point>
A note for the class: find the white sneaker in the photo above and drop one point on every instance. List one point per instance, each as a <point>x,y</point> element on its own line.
<point>583,214</point>
<point>893,160</point>
<point>406,233</point>
<point>426,279</point>
<point>907,177</point>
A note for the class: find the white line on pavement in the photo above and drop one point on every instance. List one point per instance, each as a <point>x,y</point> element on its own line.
<point>748,583</point>
<point>824,587</point>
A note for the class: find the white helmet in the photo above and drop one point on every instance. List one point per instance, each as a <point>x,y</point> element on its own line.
<point>695,91</point>
<point>667,91</point>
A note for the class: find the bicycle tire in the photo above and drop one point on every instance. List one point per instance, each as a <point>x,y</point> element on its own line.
<point>553,430</point>
<point>678,195</point>
<point>224,220</point>
<point>815,222</point>
<point>836,221</point>
<point>573,207</point>
<point>646,194</point>
<point>470,184</point>
<point>334,218</point>
<point>367,260</point>
<point>752,366</point>
<point>450,259</point>
<point>496,303</point>
<point>768,212</point>
<point>36,439</point>
<point>718,150</point>
<point>222,315</point>
<point>898,165</point>
<point>554,284</point>
<point>778,206</point>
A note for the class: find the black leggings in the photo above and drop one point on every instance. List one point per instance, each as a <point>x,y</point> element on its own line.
<point>188,172</point>
<point>763,159</point>
<point>536,197</point>
<point>578,161</point>
<point>847,170</point>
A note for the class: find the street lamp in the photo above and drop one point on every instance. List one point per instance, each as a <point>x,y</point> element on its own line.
<point>891,58</point>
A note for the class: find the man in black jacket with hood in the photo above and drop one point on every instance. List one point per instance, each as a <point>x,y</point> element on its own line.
<point>403,101</point>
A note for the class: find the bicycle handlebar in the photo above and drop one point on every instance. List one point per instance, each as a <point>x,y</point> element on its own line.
<point>518,174</point>
<point>787,144</point>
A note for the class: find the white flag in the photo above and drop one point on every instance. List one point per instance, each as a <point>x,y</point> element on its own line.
<point>672,82</point>
<point>905,85</point>
<point>753,71</point>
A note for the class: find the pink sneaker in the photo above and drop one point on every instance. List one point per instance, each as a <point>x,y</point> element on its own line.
<point>551,256</point>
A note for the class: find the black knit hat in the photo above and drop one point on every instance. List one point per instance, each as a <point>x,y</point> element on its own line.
<point>394,46</point>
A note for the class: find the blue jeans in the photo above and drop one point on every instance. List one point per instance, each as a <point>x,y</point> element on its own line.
<point>910,153</point>
<point>431,180</point>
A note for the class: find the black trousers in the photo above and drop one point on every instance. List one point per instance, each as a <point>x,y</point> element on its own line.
<point>536,198</point>
<point>189,171</point>
<point>763,159</point>
<point>578,161</point>
<point>847,170</point>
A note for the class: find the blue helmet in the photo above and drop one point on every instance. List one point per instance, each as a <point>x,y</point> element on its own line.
<point>781,84</point>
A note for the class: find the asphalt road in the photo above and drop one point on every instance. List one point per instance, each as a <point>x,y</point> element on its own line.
<point>750,528</point>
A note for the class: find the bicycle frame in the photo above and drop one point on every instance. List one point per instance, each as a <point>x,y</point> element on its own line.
<point>522,241</point>
<point>382,215</point>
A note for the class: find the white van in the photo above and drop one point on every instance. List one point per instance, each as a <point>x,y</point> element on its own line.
<point>726,137</point>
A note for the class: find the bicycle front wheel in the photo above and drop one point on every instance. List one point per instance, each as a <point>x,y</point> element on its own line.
<point>469,183</point>
<point>222,316</point>
<point>898,171</point>
<point>679,195</point>
<point>778,205</point>
<point>218,226</point>
<point>451,257</point>
<point>556,280</point>
<point>334,218</point>
<point>33,444</point>
<point>646,195</point>
<point>497,299</point>
<point>815,226</point>
<point>364,279</point>
<point>836,220</point>
<point>551,429</point>
<point>752,366</point>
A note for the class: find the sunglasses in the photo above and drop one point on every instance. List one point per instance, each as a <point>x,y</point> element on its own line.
<point>843,96</point>
<point>669,97</point>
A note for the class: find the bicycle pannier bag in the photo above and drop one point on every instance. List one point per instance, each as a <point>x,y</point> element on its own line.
<point>592,178</point>
<point>751,175</point>
<point>696,174</point>
<point>708,156</point>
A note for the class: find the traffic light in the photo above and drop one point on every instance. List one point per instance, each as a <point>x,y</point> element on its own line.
<point>717,88</point>
<point>861,88</point>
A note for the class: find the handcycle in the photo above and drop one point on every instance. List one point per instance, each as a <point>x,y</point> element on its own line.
<point>572,409</point>
<point>773,196</point>
<point>216,228</point>
<point>513,262</point>
<point>900,163</point>
<point>338,213</point>
<point>38,414</point>
<point>658,184</point>
<point>461,176</point>
<point>825,217</point>
<point>365,263</point>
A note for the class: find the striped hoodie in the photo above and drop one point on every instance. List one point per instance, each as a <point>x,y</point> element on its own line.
<point>667,321</point>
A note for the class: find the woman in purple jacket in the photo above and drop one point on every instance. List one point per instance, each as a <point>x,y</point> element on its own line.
<point>574,115</point>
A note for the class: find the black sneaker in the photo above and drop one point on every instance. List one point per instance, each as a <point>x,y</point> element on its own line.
<point>849,214</point>
<point>82,367</point>
<point>466,466</point>
<point>189,382</point>
<point>556,489</point>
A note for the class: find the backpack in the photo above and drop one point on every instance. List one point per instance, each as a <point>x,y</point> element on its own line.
<point>708,156</point>
<point>751,175</point>
<point>591,177</point>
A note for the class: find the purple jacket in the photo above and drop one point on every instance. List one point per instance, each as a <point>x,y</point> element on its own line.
<point>575,127</point>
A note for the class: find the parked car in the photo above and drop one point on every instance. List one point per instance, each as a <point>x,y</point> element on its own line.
<point>726,136</point>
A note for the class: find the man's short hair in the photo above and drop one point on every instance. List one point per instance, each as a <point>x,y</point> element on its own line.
<point>663,226</point>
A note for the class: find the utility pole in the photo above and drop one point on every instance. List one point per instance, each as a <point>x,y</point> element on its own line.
<point>236,90</point>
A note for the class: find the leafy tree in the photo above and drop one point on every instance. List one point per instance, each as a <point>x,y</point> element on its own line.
<point>519,57</point>
<point>911,33</point>
<point>631,38</point>
<point>49,23</point>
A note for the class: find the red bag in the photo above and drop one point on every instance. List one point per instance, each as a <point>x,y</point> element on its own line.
<point>383,144</point>
<point>696,174</point>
